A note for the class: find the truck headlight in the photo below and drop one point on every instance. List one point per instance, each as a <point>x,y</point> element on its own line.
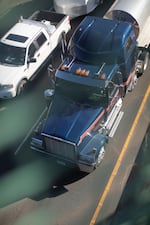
<point>36,143</point>
<point>87,158</point>
<point>6,86</point>
<point>90,156</point>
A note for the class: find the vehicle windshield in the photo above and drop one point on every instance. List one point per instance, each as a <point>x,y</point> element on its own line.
<point>84,53</point>
<point>81,94</point>
<point>11,55</point>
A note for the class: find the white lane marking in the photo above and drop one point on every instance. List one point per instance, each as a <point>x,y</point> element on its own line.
<point>30,131</point>
<point>2,109</point>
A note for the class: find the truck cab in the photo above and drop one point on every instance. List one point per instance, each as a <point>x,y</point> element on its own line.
<point>98,40</point>
<point>101,65</point>
<point>83,98</point>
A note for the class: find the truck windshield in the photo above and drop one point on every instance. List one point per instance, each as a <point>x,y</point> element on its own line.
<point>81,94</point>
<point>11,55</point>
<point>85,54</point>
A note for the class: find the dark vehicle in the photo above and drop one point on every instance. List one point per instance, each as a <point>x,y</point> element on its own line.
<point>102,65</point>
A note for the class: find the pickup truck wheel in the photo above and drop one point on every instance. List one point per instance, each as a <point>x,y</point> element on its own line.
<point>21,86</point>
<point>100,156</point>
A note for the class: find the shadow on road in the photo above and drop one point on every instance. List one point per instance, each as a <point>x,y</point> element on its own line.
<point>32,175</point>
<point>57,187</point>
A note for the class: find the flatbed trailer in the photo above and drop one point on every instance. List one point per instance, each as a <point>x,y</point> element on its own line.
<point>135,12</point>
<point>75,8</point>
<point>144,36</point>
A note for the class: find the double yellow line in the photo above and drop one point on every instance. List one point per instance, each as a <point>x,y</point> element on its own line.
<point>120,158</point>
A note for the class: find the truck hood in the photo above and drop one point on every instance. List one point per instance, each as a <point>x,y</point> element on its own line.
<point>69,120</point>
<point>8,73</point>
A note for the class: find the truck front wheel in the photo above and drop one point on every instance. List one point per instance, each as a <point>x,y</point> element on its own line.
<point>100,156</point>
<point>21,86</point>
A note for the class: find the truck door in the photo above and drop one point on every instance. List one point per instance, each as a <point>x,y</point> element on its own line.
<point>130,55</point>
<point>113,94</point>
<point>43,48</point>
<point>37,54</point>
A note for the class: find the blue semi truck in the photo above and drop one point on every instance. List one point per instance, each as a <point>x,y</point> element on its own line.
<point>103,63</point>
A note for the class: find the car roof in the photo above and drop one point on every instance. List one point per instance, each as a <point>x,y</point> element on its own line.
<point>22,33</point>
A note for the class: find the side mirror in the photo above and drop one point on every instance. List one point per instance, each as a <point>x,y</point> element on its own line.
<point>48,94</point>
<point>32,60</point>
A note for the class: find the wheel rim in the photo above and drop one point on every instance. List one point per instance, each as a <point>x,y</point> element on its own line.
<point>146,61</point>
<point>101,155</point>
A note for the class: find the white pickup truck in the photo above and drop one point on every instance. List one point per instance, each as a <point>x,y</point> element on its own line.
<point>26,48</point>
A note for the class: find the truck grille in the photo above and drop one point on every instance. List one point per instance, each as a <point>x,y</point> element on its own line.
<point>60,148</point>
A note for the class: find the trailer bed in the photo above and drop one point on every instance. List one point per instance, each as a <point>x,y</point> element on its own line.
<point>144,37</point>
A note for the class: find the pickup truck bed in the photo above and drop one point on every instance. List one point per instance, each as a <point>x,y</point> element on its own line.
<point>54,17</point>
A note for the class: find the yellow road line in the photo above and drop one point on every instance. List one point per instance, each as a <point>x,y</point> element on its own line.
<point>120,158</point>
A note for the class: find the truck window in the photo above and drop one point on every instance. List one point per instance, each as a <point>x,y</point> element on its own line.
<point>134,56</point>
<point>129,44</point>
<point>41,40</point>
<point>111,88</point>
<point>81,94</point>
<point>12,55</point>
<point>32,50</point>
<point>117,78</point>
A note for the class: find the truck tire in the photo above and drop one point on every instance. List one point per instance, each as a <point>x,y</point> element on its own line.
<point>144,58</point>
<point>133,83</point>
<point>100,156</point>
<point>21,86</point>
